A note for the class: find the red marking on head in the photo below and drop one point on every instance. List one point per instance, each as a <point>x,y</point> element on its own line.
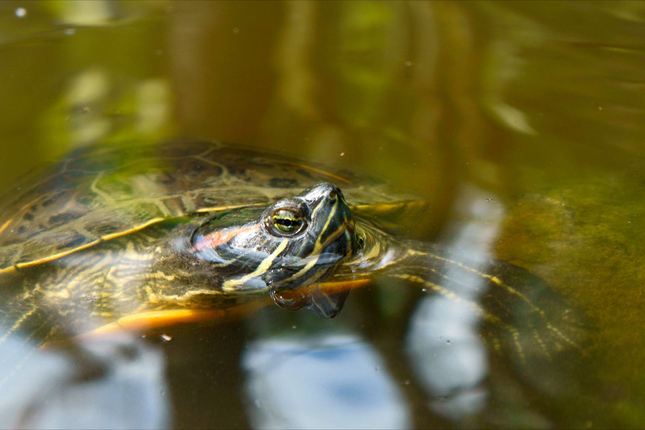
<point>222,236</point>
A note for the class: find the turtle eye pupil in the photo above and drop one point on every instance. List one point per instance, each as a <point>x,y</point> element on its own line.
<point>332,195</point>
<point>286,221</point>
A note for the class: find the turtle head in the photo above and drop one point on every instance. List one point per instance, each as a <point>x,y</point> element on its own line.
<point>290,245</point>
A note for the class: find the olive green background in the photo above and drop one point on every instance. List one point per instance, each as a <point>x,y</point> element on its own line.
<point>540,103</point>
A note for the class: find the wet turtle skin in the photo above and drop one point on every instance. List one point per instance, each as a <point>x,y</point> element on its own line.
<point>108,233</point>
<point>93,238</point>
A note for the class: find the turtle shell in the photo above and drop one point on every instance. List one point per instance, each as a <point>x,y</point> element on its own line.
<point>100,193</point>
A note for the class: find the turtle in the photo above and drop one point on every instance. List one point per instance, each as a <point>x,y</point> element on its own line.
<point>186,231</point>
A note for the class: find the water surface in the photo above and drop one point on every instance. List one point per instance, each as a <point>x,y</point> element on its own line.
<point>521,124</point>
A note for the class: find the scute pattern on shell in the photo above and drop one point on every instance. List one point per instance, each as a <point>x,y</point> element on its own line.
<point>100,193</point>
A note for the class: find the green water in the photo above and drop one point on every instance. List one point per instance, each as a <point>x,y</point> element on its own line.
<point>540,106</point>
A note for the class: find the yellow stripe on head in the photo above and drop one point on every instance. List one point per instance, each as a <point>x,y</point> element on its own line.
<point>232,285</point>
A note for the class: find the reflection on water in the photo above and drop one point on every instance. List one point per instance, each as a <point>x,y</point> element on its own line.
<point>330,381</point>
<point>443,341</point>
<point>539,104</point>
<point>117,382</point>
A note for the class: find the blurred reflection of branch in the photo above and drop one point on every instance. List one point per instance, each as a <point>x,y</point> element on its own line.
<point>85,13</point>
<point>443,342</point>
<point>296,81</point>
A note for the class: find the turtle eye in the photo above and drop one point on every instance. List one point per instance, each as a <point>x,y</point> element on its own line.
<point>287,221</point>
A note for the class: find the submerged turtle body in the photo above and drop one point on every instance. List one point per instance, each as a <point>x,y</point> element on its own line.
<point>107,232</point>
<point>183,226</point>
<point>145,238</point>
